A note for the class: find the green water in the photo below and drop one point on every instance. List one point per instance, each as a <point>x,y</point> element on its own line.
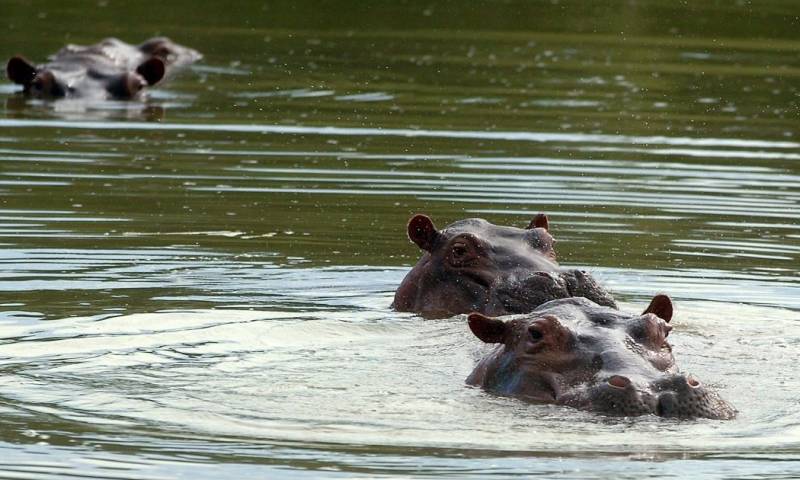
<point>198,284</point>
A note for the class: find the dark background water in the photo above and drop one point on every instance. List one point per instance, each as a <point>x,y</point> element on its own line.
<point>203,277</point>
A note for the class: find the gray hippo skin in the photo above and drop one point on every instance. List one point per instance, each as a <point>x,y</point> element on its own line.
<point>109,69</point>
<point>576,353</point>
<point>475,266</point>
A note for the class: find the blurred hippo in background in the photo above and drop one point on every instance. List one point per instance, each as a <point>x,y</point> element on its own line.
<point>576,353</point>
<point>474,266</point>
<point>109,69</point>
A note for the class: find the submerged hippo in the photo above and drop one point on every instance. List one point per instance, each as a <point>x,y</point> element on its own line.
<point>474,266</point>
<point>574,352</point>
<point>109,69</point>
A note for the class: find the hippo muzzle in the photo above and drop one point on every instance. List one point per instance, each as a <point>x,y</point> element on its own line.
<point>677,396</point>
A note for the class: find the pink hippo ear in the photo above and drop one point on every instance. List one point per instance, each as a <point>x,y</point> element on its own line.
<point>489,330</point>
<point>539,221</point>
<point>422,232</point>
<point>661,306</point>
<point>152,70</point>
<point>20,71</point>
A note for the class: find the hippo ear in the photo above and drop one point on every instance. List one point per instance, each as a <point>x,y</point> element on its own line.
<point>661,306</point>
<point>152,70</point>
<point>422,232</point>
<point>20,71</point>
<point>489,330</point>
<point>539,221</point>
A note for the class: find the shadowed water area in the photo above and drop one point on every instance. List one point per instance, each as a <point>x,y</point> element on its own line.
<point>198,284</point>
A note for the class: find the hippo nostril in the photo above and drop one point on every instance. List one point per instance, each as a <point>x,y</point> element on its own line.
<point>618,381</point>
<point>597,362</point>
<point>535,333</point>
<point>665,407</point>
<point>692,382</point>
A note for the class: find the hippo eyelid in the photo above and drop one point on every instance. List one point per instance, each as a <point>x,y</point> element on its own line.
<point>464,250</point>
<point>468,238</point>
<point>459,249</point>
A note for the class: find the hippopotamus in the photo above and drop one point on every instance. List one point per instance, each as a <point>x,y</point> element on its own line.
<point>109,69</point>
<point>577,353</point>
<point>475,266</point>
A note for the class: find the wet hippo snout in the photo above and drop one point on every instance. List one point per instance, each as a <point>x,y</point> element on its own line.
<point>619,396</point>
<point>678,396</point>
<point>683,396</point>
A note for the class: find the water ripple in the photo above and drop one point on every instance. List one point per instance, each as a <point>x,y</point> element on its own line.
<point>406,133</point>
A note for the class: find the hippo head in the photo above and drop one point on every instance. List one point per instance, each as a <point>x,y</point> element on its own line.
<point>574,352</point>
<point>80,79</point>
<point>169,52</point>
<point>473,265</point>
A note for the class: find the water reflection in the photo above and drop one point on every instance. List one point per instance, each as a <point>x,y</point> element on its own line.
<point>20,107</point>
<point>238,181</point>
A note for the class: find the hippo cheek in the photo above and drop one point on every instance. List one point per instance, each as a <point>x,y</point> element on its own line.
<point>406,298</point>
<point>462,294</point>
<point>532,386</point>
<point>442,298</point>
<point>438,293</point>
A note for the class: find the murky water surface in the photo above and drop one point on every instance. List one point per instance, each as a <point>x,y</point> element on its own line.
<point>198,284</point>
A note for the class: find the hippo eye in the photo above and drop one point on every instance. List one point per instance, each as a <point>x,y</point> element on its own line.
<point>459,250</point>
<point>535,334</point>
<point>464,252</point>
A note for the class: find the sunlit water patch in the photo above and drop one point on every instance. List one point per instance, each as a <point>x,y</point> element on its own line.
<point>345,372</point>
